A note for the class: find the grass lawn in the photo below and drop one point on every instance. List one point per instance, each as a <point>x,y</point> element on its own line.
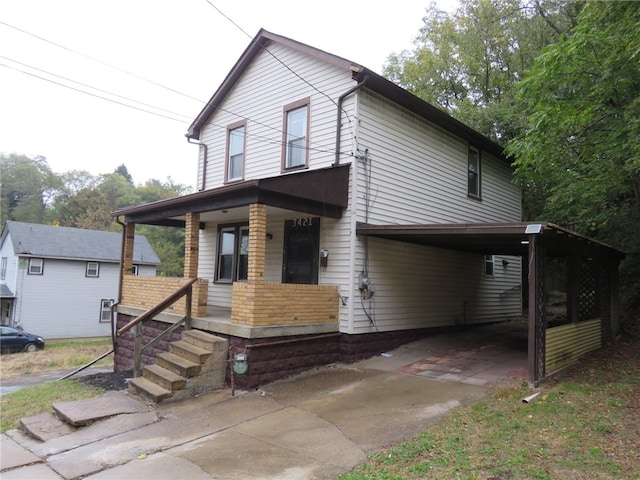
<point>585,424</point>
<point>34,400</point>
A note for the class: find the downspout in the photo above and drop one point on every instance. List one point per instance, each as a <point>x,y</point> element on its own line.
<point>124,238</point>
<point>205,161</point>
<point>339,116</point>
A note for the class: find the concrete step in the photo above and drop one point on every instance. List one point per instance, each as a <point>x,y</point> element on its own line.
<point>189,352</point>
<point>204,340</point>
<point>146,388</point>
<point>163,377</point>
<point>177,364</point>
<point>45,426</point>
<point>87,411</point>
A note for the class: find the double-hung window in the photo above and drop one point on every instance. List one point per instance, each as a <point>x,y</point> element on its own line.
<point>105,310</point>
<point>489,265</point>
<point>473,170</point>
<point>296,135</point>
<point>235,152</point>
<point>93,269</point>
<point>233,253</point>
<point>36,266</point>
<point>3,268</point>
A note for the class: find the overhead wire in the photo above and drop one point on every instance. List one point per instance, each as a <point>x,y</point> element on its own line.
<point>321,149</point>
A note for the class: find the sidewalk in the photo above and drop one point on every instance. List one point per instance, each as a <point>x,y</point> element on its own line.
<point>313,426</point>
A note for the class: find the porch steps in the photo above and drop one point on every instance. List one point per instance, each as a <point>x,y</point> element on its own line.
<point>195,364</point>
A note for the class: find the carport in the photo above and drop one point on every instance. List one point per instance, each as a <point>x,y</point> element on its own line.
<point>589,271</point>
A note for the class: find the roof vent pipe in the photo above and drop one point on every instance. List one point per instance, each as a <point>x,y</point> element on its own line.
<point>205,161</point>
<point>339,117</point>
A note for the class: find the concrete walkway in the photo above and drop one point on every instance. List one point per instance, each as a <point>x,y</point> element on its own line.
<point>313,426</point>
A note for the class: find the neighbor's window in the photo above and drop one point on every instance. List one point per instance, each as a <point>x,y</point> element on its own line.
<point>473,168</point>
<point>489,265</point>
<point>233,253</point>
<point>3,268</point>
<point>296,134</point>
<point>105,310</point>
<point>36,266</point>
<point>135,269</point>
<point>235,152</point>
<point>93,269</point>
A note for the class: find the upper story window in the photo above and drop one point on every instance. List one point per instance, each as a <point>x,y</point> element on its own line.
<point>36,266</point>
<point>296,135</point>
<point>233,253</point>
<point>474,172</point>
<point>105,310</point>
<point>3,268</point>
<point>235,152</point>
<point>93,269</point>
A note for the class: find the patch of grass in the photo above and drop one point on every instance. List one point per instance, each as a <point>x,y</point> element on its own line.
<point>30,401</point>
<point>65,355</point>
<point>584,424</point>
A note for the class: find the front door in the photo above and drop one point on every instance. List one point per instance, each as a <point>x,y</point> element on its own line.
<point>300,257</point>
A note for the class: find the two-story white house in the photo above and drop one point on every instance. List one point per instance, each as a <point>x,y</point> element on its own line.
<point>60,282</point>
<point>338,215</point>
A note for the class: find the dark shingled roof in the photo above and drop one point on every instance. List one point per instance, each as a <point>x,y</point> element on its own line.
<point>49,241</point>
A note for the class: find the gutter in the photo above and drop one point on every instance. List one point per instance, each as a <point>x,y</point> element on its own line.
<point>205,160</point>
<point>339,116</point>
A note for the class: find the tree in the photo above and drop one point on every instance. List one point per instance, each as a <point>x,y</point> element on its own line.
<point>28,187</point>
<point>122,170</point>
<point>579,157</point>
<point>469,62</point>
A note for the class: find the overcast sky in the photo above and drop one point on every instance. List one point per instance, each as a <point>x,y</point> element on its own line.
<point>186,46</point>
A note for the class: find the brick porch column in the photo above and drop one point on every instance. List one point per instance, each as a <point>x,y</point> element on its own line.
<point>257,242</point>
<point>191,245</point>
<point>127,254</point>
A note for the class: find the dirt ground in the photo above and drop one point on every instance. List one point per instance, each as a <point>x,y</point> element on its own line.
<point>108,380</point>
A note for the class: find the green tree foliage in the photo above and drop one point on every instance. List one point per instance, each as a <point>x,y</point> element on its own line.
<point>31,192</point>
<point>28,187</point>
<point>469,62</point>
<point>579,157</point>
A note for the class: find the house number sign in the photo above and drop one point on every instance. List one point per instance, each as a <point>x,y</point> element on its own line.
<point>302,222</point>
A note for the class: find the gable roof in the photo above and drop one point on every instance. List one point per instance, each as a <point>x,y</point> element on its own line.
<point>375,83</point>
<point>49,241</point>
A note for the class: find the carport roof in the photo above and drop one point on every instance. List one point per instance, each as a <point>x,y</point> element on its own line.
<point>493,238</point>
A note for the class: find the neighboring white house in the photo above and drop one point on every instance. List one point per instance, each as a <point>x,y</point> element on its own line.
<point>59,282</point>
<point>318,175</point>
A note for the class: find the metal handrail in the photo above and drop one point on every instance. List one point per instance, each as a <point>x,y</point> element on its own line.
<point>186,289</point>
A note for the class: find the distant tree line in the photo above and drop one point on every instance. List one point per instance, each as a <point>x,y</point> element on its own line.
<point>31,192</point>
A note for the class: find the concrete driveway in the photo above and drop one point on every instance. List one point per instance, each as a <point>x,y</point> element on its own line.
<point>312,426</point>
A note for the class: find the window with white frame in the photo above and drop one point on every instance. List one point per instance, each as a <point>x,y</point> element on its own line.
<point>36,266</point>
<point>3,268</point>
<point>105,310</point>
<point>296,134</point>
<point>473,171</point>
<point>135,269</point>
<point>233,253</point>
<point>489,265</point>
<point>93,269</point>
<point>235,152</point>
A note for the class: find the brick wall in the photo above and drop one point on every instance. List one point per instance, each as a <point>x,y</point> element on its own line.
<point>264,304</point>
<point>146,292</point>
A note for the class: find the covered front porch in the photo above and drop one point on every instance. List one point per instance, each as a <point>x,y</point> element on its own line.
<point>252,307</point>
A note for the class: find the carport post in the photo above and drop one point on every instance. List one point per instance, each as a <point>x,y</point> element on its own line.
<point>536,333</point>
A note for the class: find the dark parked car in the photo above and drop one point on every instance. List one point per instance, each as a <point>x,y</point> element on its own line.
<point>14,340</point>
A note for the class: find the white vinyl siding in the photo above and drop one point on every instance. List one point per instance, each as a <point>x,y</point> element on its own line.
<point>424,287</point>
<point>277,88</point>
<point>419,172</point>
<point>43,302</point>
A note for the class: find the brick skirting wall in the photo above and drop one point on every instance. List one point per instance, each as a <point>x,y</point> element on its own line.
<point>274,358</point>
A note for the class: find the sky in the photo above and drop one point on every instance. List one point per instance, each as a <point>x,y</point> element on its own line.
<point>164,58</point>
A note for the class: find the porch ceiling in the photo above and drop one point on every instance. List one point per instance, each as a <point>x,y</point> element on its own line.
<point>493,238</point>
<point>321,192</point>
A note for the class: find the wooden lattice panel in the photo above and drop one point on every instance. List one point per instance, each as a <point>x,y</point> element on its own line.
<point>587,298</point>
